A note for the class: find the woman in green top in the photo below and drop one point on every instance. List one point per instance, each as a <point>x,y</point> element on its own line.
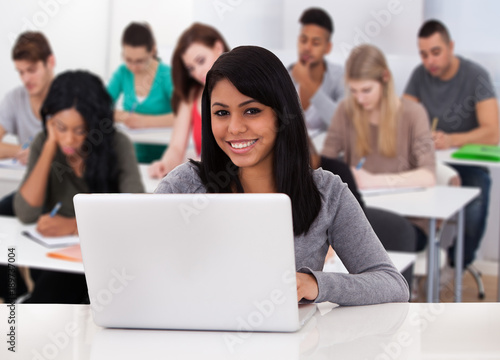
<point>144,81</point>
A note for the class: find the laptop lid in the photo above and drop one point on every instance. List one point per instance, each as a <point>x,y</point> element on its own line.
<point>189,261</point>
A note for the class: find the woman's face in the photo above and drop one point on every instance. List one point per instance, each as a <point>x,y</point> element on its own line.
<point>198,59</point>
<point>137,58</point>
<point>244,128</point>
<point>70,131</point>
<point>367,93</point>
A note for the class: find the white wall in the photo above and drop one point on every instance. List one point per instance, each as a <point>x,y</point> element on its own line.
<point>77,31</point>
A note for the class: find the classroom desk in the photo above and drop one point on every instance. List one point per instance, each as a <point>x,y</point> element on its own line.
<point>32,254</point>
<point>435,203</point>
<point>494,167</point>
<point>160,136</point>
<point>388,331</point>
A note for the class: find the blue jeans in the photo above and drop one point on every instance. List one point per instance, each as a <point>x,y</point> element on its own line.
<point>476,212</point>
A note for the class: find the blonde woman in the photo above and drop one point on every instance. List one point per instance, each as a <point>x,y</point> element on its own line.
<point>385,140</point>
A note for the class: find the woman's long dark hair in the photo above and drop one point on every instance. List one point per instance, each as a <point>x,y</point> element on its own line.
<point>259,74</point>
<point>86,93</point>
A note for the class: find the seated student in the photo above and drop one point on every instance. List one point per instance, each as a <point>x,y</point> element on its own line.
<point>386,140</point>
<point>79,151</point>
<point>319,82</point>
<point>20,108</point>
<point>144,81</point>
<point>247,139</point>
<point>460,95</point>
<point>196,51</point>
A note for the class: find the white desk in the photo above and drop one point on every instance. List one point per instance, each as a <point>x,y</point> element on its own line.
<point>494,208</point>
<point>388,331</point>
<point>32,254</point>
<point>440,202</point>
<point>159,136</point>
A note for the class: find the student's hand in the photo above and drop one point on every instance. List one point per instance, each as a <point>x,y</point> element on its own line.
<point>364,179</point>
<point>441,140</point>
<point>301,72</point>
<point>51,132</point>
<point>307,287</point>
<point>56,226</point>
<point>22,156</point>
<point>120,115</point>
<point>134,121</point>
<point>157,169</point>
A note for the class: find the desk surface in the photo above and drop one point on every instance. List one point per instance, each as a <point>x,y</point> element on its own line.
<point>30,253</point>
<point>439,202</point>
<point>387,331</point>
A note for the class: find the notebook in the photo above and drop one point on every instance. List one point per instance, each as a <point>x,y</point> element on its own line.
<point>190,261</point>
<point>478,152</point>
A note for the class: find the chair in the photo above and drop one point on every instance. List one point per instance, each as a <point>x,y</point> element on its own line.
<point>395,232</point>
<point>446,175</point>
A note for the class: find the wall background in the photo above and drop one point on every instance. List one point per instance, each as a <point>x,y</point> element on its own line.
<point>85,34</point>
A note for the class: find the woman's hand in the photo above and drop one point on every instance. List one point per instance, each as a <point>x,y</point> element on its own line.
<point>51,132</point>
<point>56,226</point>
<point>157,169</point>
<point>307,287</point>
<point>134,121</point>
<point>364,179</point>
<point>22,156</point>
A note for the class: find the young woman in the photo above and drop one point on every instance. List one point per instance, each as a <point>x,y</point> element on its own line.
<point>79,151</point>
<point>386,140</point>
<point>197,49</point>
<point>254,136</point>
<point>144,81</point>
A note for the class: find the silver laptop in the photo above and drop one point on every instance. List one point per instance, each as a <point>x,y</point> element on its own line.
<point>190,261</point>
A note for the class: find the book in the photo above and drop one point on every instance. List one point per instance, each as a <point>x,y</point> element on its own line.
<point>72,253</point>
<point>11,163</point>
<point>386,191</point>
<point>478,152</point>
<point>51,241</point>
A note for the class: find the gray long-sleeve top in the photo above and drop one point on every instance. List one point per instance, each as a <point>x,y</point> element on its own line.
<point>341,223</point>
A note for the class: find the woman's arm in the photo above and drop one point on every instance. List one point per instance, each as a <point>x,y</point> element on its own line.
<point>137,121</point>
<point>418,177</point>
<point>34,188</point>
<point>176,150</point>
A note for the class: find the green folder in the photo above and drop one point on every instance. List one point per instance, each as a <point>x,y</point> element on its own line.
<point>478,152</point>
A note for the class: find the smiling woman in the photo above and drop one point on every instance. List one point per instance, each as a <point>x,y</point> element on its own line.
<point>254,136</point>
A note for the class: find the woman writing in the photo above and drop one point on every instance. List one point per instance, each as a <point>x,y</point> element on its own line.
<point>386,140</point>
<point>254,133</point>
<point>144,81</point>
<point>196,51</point>
<point>79,151</point>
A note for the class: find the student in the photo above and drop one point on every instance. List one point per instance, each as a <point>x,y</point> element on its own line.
<point>79,151</point>
<point>249,140</point>
<point>319,82</point>
<point>386,140</point>
<point>459,94</point>
<point>196,51</point>
<point>20,108</point>
<point>144,81</point>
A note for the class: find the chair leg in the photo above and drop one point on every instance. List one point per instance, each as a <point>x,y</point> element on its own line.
<point>477,276</point>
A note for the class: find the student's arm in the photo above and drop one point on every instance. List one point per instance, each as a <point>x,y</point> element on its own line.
<point>7,150</point>
<point>372,277</point>
<point>137,121</point>
<point>178,144</point>
<point>307,87</point>
<point>411,178</point>
<point>411,97</point>
<point>34,188</point>
<point>486,133</point>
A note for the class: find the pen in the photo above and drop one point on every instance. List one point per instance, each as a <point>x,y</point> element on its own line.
<point>434,124</point>
<point>55,209</point>
<point>26,145</point>
<point>361,162</point>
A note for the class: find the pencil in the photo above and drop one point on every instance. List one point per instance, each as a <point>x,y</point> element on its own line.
<point>55,209</point>
<point>360,163</point>
<point>434,124</point>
